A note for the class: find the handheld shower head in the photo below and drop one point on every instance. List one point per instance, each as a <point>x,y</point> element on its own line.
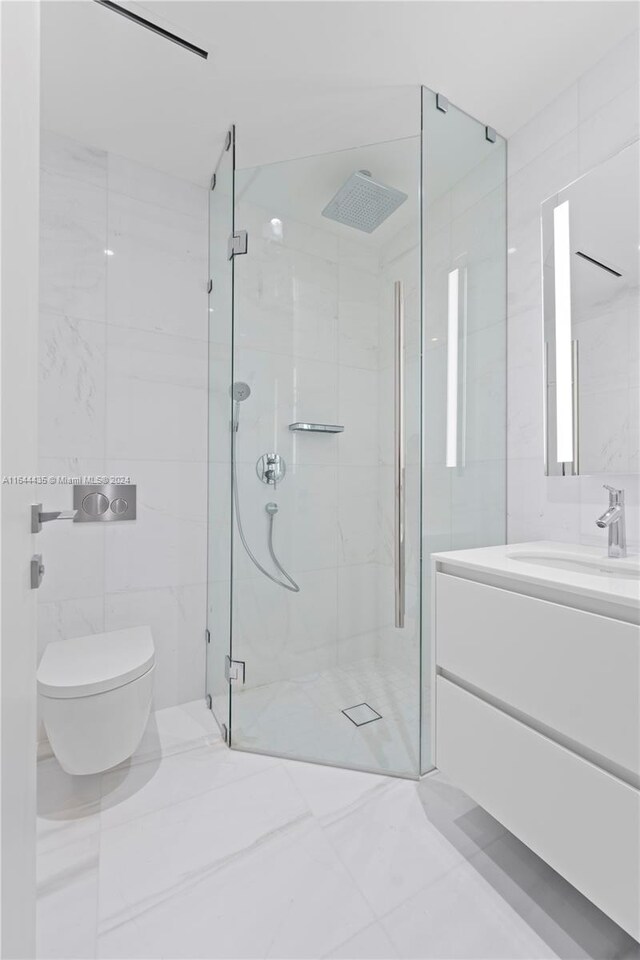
<point>240,391</point>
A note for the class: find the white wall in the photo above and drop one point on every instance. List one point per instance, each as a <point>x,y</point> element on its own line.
<point>20,105</point>
<point>123,391</point>
<point>588,122</point>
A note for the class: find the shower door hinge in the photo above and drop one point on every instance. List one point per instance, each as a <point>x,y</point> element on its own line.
<point>238,243</point>
<point>212,184</point>
<point>234,670</point>
<point>209,701</point>
<point>210,286</point>
<point>207,635</point>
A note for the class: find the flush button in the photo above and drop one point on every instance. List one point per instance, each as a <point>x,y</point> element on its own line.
<point>95,504</point>
<point>104,502</point>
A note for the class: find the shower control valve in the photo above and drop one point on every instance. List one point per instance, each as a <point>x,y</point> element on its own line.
<point>271,468</point>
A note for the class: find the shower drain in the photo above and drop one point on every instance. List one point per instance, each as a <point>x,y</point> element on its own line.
<point>362,713</point>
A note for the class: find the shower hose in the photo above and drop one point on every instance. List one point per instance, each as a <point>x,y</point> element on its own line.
<point>271,509</point>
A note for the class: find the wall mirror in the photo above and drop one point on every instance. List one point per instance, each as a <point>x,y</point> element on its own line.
<point>591,308</point>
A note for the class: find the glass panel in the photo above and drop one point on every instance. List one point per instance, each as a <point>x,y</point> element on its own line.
<point>220,412</point>
<point>315,338</point>
<point>464,270</point>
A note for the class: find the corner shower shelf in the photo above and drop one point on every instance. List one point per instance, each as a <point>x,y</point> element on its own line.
<point>317,427</point>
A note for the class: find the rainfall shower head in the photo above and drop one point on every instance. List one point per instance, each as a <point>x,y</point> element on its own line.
<point>240,391</point>
<point>363,203</point>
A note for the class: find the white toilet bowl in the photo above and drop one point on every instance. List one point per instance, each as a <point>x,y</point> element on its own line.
<point>95,697</point>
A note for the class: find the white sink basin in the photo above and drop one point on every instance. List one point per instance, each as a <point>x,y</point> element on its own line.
<point>627,568</point>
<point>573,568</point>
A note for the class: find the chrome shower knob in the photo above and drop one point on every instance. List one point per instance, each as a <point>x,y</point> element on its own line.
<point>271,468</point>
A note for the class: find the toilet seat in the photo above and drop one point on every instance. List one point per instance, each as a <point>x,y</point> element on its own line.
<point>86,666</point>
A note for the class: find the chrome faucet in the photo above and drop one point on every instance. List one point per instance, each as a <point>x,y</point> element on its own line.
<point>613,518</point>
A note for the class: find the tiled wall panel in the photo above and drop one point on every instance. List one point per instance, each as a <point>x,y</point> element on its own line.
<point>123,391</point>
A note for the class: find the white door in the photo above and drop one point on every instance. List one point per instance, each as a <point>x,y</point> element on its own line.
<point>19,178</point>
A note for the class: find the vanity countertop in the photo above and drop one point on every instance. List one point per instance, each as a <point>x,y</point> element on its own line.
<point>570,567</point>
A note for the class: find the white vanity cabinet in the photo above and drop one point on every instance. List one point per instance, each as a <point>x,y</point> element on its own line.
<point>538,716</point>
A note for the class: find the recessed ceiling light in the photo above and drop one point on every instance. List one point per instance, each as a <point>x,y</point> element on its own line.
<point>109,253</point>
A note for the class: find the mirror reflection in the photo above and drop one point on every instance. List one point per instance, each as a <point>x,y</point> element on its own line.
<point>590,249</point>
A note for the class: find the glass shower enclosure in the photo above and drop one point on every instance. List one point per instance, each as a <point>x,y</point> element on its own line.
<point>357,335</point>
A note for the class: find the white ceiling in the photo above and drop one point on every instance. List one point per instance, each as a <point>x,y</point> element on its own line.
<point>302,77</point>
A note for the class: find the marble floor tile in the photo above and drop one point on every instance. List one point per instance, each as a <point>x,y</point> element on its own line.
<point>287,896</point>
<point>194,850</point>
<point>456,816</point>
<point>62,797</point>
<point>175,729</point>
<point>67,887</point>
<point>462,917</point>
<point>371,943</point>
<point>146,862</point>
<point>328,791</point>
<point>389,847</point>
<point>134,791</point>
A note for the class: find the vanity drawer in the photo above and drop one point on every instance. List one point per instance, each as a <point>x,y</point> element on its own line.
<point>581,820</point>
<point>577,673</point>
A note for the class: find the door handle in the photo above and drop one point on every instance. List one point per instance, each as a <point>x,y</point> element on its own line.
<point>38,517</point>
<point>399,466</point>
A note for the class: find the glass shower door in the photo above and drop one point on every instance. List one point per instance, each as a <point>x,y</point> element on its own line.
<point>219,560</point>
<point>326,540</point>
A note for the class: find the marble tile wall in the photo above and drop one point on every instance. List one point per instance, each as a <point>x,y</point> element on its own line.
<point>123,391</point>
<point>593,119</point>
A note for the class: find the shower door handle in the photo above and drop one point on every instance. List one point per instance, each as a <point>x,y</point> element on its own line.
<point>399,466</point>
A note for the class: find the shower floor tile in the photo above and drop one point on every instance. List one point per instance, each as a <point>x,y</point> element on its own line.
<point>201,851</point>
<point>307,717</point>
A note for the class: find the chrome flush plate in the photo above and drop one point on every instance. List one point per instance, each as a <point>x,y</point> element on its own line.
<point>104,502</point>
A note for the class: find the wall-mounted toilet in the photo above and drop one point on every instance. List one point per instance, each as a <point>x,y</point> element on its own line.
<point>95,697</point>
